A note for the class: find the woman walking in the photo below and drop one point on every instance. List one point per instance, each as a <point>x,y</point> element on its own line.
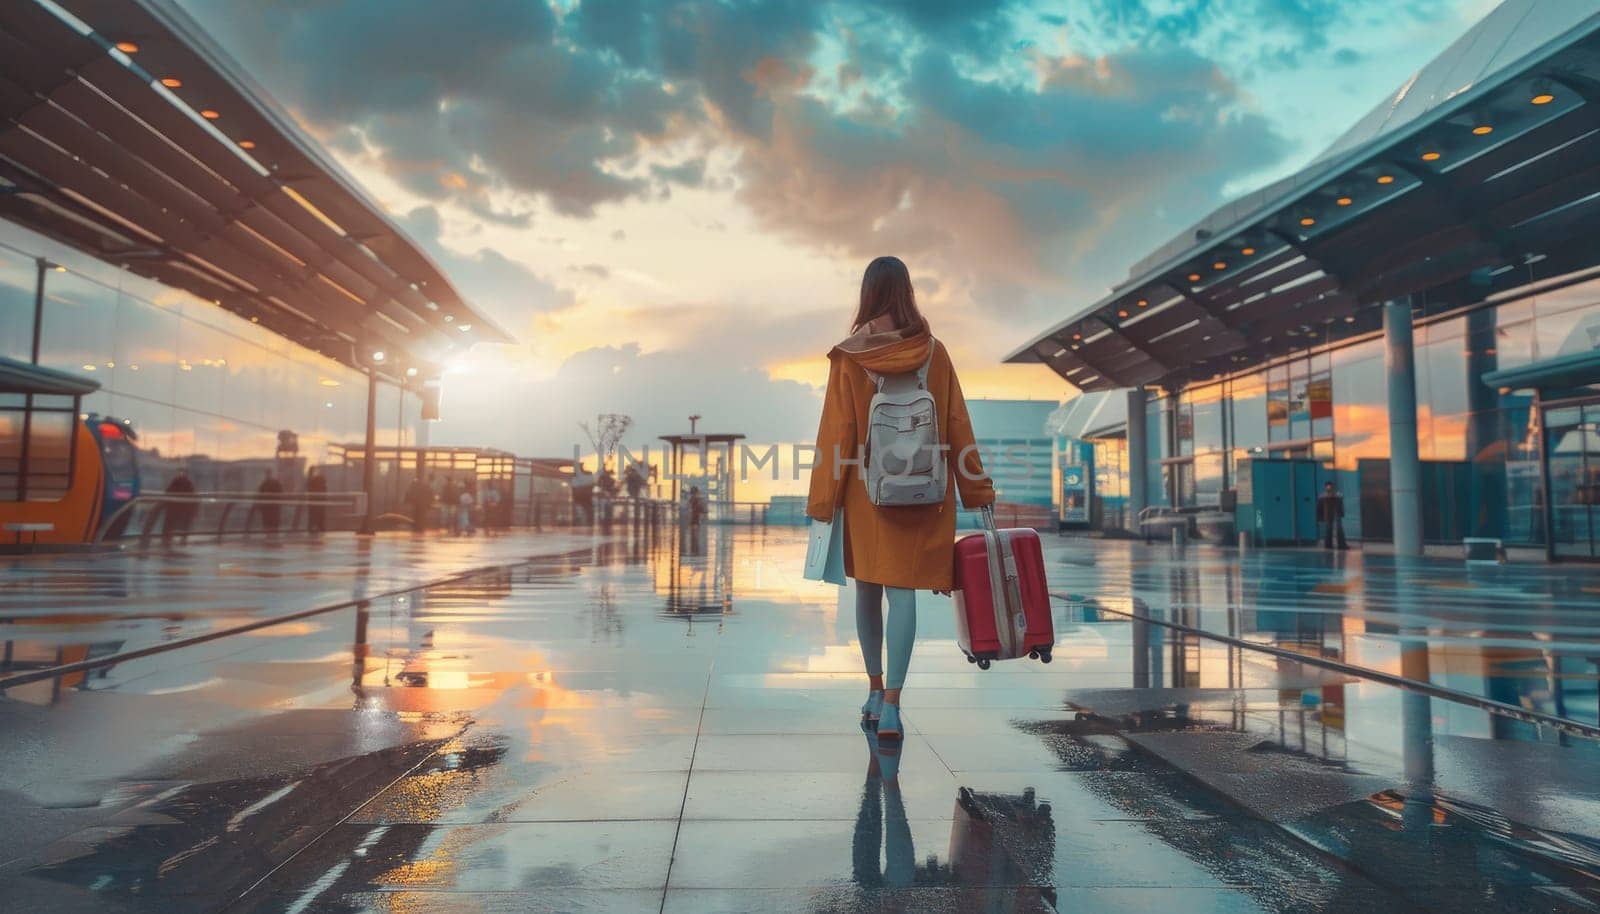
<point>898,549</point>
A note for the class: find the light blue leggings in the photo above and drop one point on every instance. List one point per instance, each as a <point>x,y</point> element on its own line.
<point>902,630</point>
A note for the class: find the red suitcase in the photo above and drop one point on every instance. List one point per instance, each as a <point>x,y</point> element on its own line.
<point>1002,600</point>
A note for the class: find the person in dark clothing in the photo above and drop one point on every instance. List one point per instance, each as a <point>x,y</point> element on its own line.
<point>1330,514</point>
<point>697,506</point>
<point>605,492</point>
<point>268,507</point>
<point>419,495</point>
<point>178,517</point>
<point>317,513</point>
<point>450,497</point>
<point>583,495</point>
<point>633,481</point>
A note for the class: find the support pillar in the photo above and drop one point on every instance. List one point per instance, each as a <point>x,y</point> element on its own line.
<point>1138,457</point>
<point>369,463</point>
<point>1405,467</point>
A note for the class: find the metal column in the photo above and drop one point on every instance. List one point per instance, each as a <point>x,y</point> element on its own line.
<point>1138,456</point>
<point>369,463</point>
<point>1405,468</point>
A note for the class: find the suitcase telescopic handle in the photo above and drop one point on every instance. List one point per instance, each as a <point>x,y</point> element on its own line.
<point>987,517</point>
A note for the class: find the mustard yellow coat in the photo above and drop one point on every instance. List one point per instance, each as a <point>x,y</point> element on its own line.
<point>900,546</point>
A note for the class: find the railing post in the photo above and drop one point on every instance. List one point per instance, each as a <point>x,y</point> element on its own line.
<point>369,468</point>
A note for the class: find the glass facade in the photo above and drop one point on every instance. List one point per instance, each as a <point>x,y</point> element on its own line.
<point>1111,483</point>
<point>1481,448</point>
<point>205,391</point>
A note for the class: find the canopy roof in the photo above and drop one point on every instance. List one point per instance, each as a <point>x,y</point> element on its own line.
<point>126,132</point>
<point>1480,174</point>
<point>26,378</point>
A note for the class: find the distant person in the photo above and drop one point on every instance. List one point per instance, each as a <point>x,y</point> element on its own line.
<point>465,502</point>
<point>178,517</point>
<point>317,513</point>
<point>450,497</point>
<point>419,495</point>
<point>633,481</point>
<point>268,507</point>
<point>491,506</point>
<point>605,491</point>
<point>583,495</point>
<point>1330,514</point>
<point>898,548</point>
<point>697,506</point>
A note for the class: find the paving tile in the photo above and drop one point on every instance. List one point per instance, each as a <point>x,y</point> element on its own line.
<point>927,792</point>
<point>506,857</point>
<point>444,795</point>
<point>797,753</point>
<point>542,901</point>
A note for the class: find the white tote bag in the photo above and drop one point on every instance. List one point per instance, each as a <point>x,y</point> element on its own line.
<point>825,551</point>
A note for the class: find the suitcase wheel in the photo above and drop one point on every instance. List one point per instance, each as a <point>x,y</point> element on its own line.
<point>1033,655</point>
<point>971,659</point>
<point>1044,656</point>
<point>983,664</point>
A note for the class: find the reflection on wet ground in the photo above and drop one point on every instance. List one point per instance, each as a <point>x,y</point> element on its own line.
<point>670,724</point>
<point>77,607</point>
<point>1525,635</point>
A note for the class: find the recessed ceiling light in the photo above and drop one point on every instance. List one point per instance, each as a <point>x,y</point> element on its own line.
<point>1194,277</point>
<point>172,82</point>
<point>1482,130</point>
<point>1248,252</point>
<point>1122,313</point>
<point>1344,201</point>
<point>1143,302</point>
<point>1308,221</point>
<point>1543,98</point>
<point>1431,156</point>
<point>127,47</point>
<point>1385,179</point>
<point>247,144</point>
<point>1220,265</point>
<point>209,114</point>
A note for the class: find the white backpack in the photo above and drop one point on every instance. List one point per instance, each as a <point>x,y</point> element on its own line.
<point>904,463</point>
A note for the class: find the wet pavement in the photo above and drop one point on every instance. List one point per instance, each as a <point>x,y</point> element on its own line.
<point>77,606</point>
<point>670,724</point>
<point>1524,634</point>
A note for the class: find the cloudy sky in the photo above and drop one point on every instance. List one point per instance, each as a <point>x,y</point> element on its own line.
<point>669,202</point>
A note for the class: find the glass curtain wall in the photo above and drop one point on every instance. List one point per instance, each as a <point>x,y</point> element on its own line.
<point>1481,448</point>
<point>1158,444</point>
<point>205,390</point>
<point>1111,483</point>
<point>1202,435</point>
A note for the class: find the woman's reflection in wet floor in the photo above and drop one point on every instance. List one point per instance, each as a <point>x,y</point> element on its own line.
<point>882,821</point>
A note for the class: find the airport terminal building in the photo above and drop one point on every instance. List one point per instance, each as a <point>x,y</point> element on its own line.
<point>169,236</point>
<point>1414,316</point>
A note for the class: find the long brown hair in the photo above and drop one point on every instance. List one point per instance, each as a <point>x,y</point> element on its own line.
<point>886,289</point>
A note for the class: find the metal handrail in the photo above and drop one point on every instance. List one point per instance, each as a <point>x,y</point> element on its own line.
<point>228,501</point>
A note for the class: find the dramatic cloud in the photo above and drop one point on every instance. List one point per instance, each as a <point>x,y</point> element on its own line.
<point>508,291</point>
<point>710,175</point>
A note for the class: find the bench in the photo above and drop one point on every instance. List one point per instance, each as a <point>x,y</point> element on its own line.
<point>1484,550</point>
<point>20,527</point>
